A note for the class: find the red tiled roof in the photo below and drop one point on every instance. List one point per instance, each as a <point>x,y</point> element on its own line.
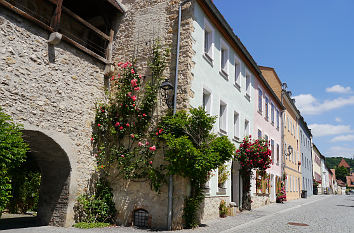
<point>343,163</point>
<point>341,183</point>
<point>350,179</point>
<point>334,173</point>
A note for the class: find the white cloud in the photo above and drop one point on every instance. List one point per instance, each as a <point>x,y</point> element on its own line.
<point>338,119</point>
<point>319,130</point>
<point>339,89</point>
<point>309,105</point>
<point>343,138</point>
<point>339,151</point>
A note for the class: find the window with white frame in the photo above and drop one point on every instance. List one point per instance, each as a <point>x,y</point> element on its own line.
<point>278,154</point>
<point>260,100</point>
<point>237,72</point>
<point>266,138</point>
<point>272,149</point>
<point>247,128</point>
<point>224,53</point>
<point>236,125</point>
<point>266,101</point>
<point>278,119</point>
<point>207,101</point>
<point>208,40</point>
<point>222,117</point>
<point>248,85</point>
<point>272,113</point>
<point>259,134</point>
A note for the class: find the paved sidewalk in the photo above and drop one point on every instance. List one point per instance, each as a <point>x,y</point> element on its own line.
<point>222,225</point>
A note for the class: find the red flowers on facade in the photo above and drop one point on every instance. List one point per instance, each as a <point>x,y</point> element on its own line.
<point>152,148</point>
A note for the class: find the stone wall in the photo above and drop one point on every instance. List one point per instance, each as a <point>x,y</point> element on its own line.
<point>143,23</point>
<point>51,89</point>
<point>260,200</point>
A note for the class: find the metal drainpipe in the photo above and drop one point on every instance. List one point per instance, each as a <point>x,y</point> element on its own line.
<point>170,183</point>
<point>282,135</point>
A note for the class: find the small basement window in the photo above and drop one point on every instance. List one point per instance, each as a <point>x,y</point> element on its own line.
<point>141,218</point>
<point>86,24</point>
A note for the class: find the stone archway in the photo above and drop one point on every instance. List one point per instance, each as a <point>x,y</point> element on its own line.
<point>53,161</point>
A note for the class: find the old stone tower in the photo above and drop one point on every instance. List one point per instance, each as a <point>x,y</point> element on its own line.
<point>50,82</point>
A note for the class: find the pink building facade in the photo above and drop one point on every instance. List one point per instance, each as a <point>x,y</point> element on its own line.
<point>267,125</point>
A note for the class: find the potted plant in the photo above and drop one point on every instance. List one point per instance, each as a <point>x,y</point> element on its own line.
<point>223,175</point>
<point>223,209</point>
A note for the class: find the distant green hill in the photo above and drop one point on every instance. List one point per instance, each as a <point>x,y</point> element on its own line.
<point>332,162</point>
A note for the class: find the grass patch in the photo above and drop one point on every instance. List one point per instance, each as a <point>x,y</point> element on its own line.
<point>87,225</point>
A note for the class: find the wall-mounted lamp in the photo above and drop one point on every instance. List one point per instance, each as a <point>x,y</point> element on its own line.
<point>167,92</point>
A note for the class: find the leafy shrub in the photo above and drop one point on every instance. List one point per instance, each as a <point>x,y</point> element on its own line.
<point>97,206</point>
<point>12,153</point>
<point>25,183</point>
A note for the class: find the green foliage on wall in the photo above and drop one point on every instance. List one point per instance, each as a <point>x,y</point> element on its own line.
<point>192,152</point>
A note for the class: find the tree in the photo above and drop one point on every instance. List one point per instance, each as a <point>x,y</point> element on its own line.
<point>341,173</point>
<point>12,154</point>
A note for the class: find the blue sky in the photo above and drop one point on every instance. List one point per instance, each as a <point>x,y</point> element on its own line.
<point>310,43</point>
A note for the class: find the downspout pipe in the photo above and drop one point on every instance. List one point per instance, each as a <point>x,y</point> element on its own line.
<point>170,183</point>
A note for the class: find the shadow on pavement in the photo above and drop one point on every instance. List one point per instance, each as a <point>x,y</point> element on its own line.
<point>20,222</point>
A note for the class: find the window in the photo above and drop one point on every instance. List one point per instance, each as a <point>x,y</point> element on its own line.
<point>207,101</point>
<point>278,154</point>
<point>259,134</point>
<point>272,149</point>
<point>287,121</point>
<point>247,128</point>
<point>237,73</point>
<point>88,28</point>
<point>224,58</point>
<point>236,125</point>
<point>260,98</point>
<point>208,40</point>
<point>266,108</point>
<point>277,119</point>
<point>272,113</point>
<point>266,138</point>
<point>222,117</point>
<point>248,86</point>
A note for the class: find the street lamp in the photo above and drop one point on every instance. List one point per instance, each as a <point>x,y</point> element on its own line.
<point>167,93</point>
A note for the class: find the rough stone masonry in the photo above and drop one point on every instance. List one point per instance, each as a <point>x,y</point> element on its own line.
<point>52,91</point>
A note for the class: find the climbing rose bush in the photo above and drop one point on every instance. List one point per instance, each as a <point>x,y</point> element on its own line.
<point>252,154</point>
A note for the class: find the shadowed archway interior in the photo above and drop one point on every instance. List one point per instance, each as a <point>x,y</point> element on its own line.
<point>55,171</point>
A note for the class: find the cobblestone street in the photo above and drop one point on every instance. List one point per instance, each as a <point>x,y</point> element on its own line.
<point>320,213</point>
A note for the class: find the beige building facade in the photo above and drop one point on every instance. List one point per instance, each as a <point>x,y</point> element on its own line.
<point>290,135</point>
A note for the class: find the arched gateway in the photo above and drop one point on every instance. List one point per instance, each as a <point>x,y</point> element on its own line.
<point>56,171</point>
